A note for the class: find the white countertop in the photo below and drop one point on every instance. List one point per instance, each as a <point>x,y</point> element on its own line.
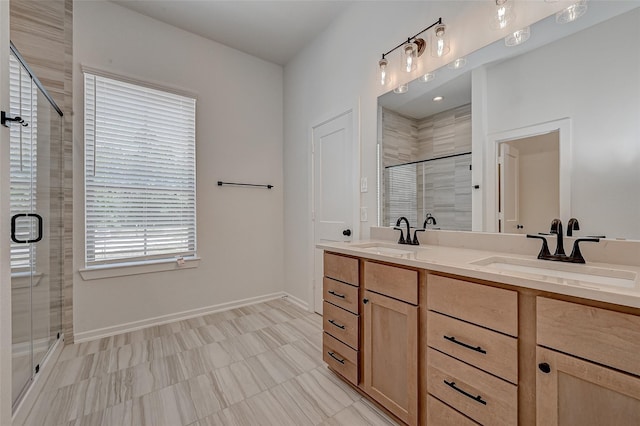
<point>469,263</point>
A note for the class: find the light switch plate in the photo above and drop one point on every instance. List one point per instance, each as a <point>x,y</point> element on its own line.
<point>364,216</point>
<point>364,186</point>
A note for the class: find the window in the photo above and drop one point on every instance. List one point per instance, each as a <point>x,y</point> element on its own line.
<point>23,102</point>
<point>140,200</point>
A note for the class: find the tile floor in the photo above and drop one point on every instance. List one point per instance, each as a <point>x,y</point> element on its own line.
<point>255,365</point>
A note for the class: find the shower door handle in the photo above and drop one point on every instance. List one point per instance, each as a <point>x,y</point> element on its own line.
<point>15,218</point>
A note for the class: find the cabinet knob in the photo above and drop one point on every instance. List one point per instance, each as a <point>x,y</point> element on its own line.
<point>346,232</point>
<point>365,301</point>
<point>544,367</point>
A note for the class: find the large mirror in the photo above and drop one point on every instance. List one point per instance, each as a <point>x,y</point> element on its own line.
<point>549,128</point>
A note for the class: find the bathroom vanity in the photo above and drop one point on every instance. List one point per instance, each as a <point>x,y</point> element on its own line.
<point>454,336</point>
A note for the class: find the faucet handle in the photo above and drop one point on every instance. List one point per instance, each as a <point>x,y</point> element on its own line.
<point>544,251</point>
<point>576,254</point>
<point>401,240</point>
<point>415,241</point>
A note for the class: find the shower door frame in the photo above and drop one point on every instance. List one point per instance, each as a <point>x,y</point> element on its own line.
<point>51,191</point>
<point>5,256</point>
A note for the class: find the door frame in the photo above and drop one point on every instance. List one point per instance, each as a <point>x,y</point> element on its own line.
<point>355,147</point>
<point>5,270</point>
<point>563,126</point>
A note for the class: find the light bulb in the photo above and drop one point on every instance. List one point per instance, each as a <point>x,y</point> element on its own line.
<point>503,15</point>
<point>440,44</point>
<point>409,56</point>
<point>517,37</point>
<point>572,12</point>
<point>383,71</point>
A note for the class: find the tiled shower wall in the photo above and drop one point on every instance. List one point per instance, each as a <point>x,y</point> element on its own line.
<point>442,187</point>
<point>42,33</point>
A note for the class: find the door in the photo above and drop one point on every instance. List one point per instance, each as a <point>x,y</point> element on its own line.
<point>334,193</point>
<point>509,193</point>
<point>571,391</point>
<point>390,348</point>
<point>35,206</point>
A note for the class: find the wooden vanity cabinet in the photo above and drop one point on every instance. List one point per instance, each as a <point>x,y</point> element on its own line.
<point>588,365</point>
<point>472,360</point>
<point>341,317</point>
<point>390,339</point>
<point>436,349</point>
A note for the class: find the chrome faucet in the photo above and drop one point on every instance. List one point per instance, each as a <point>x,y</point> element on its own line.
<point>559,255</point>
<point>397,227</point>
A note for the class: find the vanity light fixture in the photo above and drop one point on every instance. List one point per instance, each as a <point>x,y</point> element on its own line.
<point>440,42</point>
<point>410,55</point>
<point>412,49</point>
<point>384,77</point>
<point>457,64</point>
<point>403,88</point>
<point>438,98</point>
<point>425,78</point>
<point>572,12</point>
<point>503,14</point>
<point>517,37</point>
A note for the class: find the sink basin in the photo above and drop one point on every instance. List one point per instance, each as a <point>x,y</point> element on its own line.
<point>562,272</point>
<point>385,249</point>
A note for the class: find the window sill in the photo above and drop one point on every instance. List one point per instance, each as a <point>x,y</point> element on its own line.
<point>136,268</point>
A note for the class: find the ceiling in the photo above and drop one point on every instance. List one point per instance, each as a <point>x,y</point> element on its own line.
<point>271,30</point>
<point>418,102</point>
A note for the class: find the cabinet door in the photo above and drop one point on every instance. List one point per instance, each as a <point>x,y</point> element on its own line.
<point>390,348</point>
<point>571,391</point>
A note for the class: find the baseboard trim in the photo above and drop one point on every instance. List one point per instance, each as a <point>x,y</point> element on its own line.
<point>296,301</point>
<point>86,336</point>
<point>28,401</point>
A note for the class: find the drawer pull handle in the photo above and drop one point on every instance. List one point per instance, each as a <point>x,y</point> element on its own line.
<point>452,339</point>
<point>333,293</point>
<point>336,324</point>
<point>465,393</point>
<point>333,355</point>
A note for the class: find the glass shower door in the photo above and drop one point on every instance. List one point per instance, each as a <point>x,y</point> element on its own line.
<point>36,224</point>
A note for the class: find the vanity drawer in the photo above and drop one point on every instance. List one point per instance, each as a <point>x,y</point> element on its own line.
<point>340,357</point>
<point>399,283</point>
<point>341,294</point>
<point>489,307</point>
<point>341,324</point>
<point>478,395</point>
<point>440,414</point>
<point>482,348</point>
<point>599,335</point>
<point>341,268</point>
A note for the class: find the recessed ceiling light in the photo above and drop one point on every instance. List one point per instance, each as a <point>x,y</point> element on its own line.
<point>403,88</point>
<point>438,99</point>
<point>457,64</point>
<point>427,77</point>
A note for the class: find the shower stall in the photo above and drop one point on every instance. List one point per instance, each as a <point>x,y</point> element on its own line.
<point>36,169</point>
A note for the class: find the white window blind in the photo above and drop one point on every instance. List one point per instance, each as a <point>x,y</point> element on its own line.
<point>140,200</point>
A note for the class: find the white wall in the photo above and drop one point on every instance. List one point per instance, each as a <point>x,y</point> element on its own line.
<point>585,77</point>
<point>339,71</point>
<point>239,134</point>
